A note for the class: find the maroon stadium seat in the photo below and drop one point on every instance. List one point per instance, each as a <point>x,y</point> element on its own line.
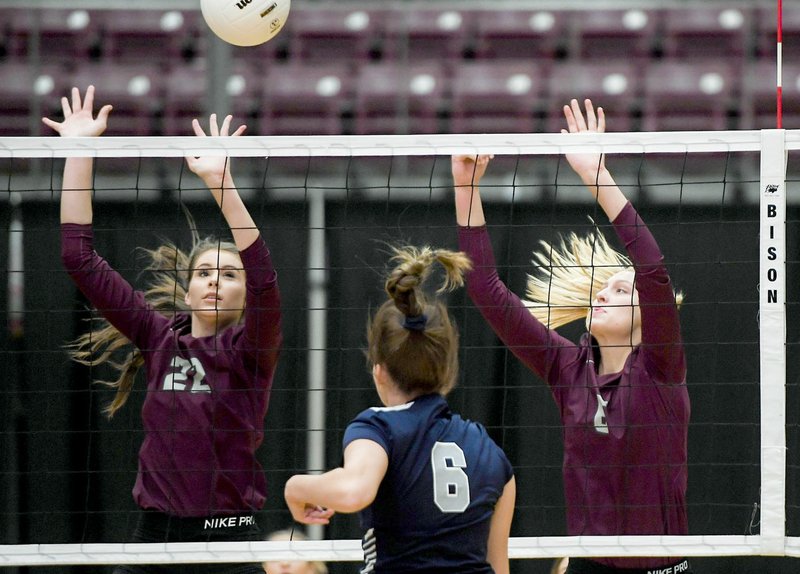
<point>689,95</point>
<point>22,89</point>
<point>519,34</point>
<point>186,94</point>
<point>414,33</point>
<point>162,36</point>
<point>326,33</point>
<point>394,98</point>
<point>602,34</point>
<point>613,85</point>
<point>707,31</point>
<point>496,97</point>
<point>65,35</point>
<point>135,91</point>
<point>304,99</point>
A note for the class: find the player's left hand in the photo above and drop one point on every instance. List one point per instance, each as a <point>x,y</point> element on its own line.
<point>468,170</point>
<point>213,169</point>
<point>586,165</point>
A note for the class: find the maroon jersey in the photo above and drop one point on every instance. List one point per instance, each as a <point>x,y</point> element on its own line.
<point>203,414</point>
<point>625,434</point>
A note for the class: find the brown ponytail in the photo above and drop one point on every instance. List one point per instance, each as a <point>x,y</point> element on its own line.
<point>413,338</point>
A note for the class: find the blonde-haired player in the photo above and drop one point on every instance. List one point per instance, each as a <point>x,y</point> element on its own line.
<point>621,391</point>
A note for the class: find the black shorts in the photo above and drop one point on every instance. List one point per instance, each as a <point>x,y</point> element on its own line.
<point>586,566</point>
<point>157,527</point>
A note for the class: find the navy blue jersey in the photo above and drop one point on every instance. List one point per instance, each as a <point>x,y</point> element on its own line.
<point>434,507</point>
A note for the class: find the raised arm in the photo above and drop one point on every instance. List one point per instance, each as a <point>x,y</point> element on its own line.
<point>591,168</point>
<point>468,171</point>
<point>312,499</point>
<point>112,295</point>
<point>527,338</point>
<point>76,192</point>
<point>661,336</point>
<point>215,171</point>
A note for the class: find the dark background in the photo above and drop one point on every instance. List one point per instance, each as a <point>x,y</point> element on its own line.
<point>73,469</point>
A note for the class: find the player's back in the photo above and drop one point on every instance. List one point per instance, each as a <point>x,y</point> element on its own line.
<point>433,509</point>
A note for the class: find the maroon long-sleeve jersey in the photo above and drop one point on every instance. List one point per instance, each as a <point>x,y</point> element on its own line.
<point>625,434</point>
<point>207,397</point>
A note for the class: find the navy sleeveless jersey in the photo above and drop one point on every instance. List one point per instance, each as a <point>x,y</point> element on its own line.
<point>433,509</point>
<point>207,397</point>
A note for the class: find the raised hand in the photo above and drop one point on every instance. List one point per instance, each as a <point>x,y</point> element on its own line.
<point>213,169</point>
<point>78,116</point>
<point>469,169</point>
<point>586,165</point>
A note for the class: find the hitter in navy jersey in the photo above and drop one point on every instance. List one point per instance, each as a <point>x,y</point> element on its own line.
<point>621,391</point>
<point>436,494</point>
<point>207,332</point>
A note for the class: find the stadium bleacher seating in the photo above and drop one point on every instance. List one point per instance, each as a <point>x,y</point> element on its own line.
<point>708,31</point>
<point>413,34</point>
<point>64,35</point>
<point>302,99</point>
<point>394,98</point>
<point>496,96</point>
<point>186,95</point>
<point>326,34</point>
<point>539,34</point>
<point>616,86</point>
<point>689,95</point>
<point>603,34</point>
<point>162,36</point>
<point>457,68</point>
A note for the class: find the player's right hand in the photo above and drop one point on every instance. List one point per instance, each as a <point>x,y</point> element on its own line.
<point>78,116</point>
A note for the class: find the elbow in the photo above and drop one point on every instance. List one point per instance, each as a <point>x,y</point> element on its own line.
<point>71,261</point>
<point>355,497</point>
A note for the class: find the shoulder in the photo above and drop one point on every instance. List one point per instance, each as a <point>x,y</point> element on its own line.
<point>397,424</point>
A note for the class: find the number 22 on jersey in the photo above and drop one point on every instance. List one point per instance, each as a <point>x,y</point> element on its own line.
<point>187,369</point>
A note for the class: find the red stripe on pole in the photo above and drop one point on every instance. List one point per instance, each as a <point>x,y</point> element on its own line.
<point>779,65</point>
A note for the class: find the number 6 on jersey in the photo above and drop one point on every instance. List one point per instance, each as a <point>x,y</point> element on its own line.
<point>450,482</point>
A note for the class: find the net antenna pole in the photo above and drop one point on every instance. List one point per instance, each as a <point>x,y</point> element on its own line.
<point>772,340</point>
<point>317,341</point>
<point>779,66</point>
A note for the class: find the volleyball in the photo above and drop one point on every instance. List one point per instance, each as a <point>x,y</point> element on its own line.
<point>245,22</point>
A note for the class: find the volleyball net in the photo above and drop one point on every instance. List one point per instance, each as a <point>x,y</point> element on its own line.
<point>717,202</point>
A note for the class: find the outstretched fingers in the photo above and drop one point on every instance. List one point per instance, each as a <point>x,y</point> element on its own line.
<point>226,126</point>
<point>198,129</point>
<point>76,99</point>
<point>88,99</point>
<point>593,121</point>
<point>214,129</point>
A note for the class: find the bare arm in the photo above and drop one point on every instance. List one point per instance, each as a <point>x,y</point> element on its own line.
<point>312,499</point>
<point>591,168</point>
<point>215,171</point>
<point>500,528</point>
<point>467,173</point>
<point>76,192</point>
